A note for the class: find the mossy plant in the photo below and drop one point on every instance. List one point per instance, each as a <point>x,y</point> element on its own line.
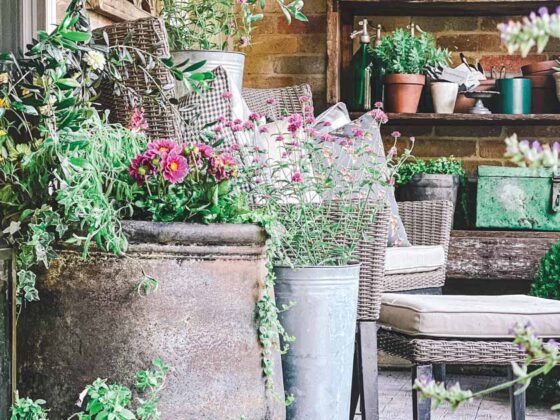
<point>547,285</point>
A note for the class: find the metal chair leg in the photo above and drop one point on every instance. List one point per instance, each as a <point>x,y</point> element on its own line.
<point>421,408</point>
<point>367,364</point>
<point>356,378</point>
<point>517,401</point>
<point>439,373</point>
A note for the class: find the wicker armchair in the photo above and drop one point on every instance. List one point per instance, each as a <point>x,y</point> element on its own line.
<point>426,223</point>
<point>286,100</point>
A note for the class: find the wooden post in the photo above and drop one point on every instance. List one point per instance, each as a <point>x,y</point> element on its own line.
<point>517,401</point>
<point>421,408</point>
<point>333,53</point>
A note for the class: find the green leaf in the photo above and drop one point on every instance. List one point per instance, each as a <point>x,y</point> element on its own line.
<point>76,36</point>
<point>67,83</point>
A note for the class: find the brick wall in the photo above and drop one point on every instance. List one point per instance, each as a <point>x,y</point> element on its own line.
<point>284,55</point>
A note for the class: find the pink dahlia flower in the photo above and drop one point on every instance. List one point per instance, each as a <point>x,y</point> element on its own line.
<point>161,148</point>
<point>141,168</point>
<point>175,167</point>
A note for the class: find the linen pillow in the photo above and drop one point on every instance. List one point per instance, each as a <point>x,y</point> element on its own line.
<point>332,119</point>
<point>372,136</point>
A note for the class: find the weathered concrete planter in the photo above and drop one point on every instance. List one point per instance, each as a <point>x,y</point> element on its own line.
<point>91,322</point>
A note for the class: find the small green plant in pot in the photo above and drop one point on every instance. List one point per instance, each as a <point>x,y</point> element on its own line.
<point>405,57</point>
<point>423,180</point>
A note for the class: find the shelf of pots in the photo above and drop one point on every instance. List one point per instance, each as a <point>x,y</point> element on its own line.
<point>216,32</point>
<point>128,250</point>
<point>468,119</point>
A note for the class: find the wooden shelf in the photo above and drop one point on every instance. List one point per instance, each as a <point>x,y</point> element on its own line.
<point>443,7</point>
<point>469,119</point>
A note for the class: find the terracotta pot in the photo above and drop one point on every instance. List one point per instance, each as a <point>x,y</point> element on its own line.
<point>541,68</point>
<point>464,104</point>
<point>543,95</point>
<point>403,91</point>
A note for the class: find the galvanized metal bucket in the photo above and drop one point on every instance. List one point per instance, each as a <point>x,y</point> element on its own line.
<point>232,62</point>
<point>318,367</point>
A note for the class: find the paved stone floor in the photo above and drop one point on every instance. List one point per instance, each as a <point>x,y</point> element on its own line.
<point>395,401</point>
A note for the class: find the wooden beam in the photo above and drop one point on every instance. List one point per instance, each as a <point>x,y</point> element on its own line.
<point>497,255</point>
<point>118,10</point>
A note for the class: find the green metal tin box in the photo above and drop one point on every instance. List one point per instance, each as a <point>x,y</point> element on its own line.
<point>517,198</point>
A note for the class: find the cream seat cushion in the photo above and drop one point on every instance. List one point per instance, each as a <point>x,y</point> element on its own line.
<point>468,316</point>
<point>413,259</point>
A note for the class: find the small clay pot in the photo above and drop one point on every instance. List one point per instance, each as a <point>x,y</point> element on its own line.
<point>464,104</point>
<point>543,95</point>
<point>403,91</point>
<point>542,68</point>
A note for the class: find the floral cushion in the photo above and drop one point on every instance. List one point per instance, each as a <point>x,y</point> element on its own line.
<point>369,128</point>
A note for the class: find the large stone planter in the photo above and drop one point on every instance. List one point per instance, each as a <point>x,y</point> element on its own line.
<point>91,322</point>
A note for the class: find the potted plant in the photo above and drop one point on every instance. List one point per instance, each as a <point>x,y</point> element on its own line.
<point>405,57</point>
<point>212,30</point>
<point>124,246</point>
<point>323,191</point>
<point>422,180</point>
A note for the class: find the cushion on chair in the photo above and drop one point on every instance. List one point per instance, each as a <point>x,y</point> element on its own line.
<point>413,259</point>
<point>468,316</point>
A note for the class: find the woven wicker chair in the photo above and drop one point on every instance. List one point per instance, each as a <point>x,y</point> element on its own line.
<point>148,35</point>
<point>287,99</point>
<point>426,223</point>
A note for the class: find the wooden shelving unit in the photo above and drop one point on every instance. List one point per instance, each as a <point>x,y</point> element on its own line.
<point>469,119</point>
<point>340,23</point>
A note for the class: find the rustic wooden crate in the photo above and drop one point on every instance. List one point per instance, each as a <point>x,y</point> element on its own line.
<point>516,198</point>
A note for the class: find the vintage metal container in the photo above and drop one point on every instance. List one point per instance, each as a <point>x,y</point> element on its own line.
<point>91,322</point>
<point>517,198</point>
<point>318,367</point>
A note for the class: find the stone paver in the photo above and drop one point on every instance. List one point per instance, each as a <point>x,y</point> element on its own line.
<point>395,401</point>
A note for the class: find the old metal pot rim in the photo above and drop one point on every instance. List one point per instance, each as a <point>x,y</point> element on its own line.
<point>194,233</point>
<point>211,51</point>
<point>322,267</point>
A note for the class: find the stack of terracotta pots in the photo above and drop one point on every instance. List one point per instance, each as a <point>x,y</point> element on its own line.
<point>543,91</point>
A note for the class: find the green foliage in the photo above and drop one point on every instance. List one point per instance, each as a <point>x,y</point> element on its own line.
<point>443,165</point>
<point>547,285</point>
<point>71,187</point>
<point>27,409</point>
<point>403,53</point>
<point>547,280</point>
<point>108,401</point>
<point>214,24</point>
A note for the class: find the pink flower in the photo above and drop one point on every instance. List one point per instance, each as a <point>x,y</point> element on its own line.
<point>295,122</point>
<point>296,177</point>
<point>235,147</point>
<point>378,104</point>
<point>137,122</point>
<point>175,168</point>
<point>271,101</point>
<point>327,138</point>
<point>205,150</point>
<point>244,42</point>
<point>255,116</point>
<point>280,137</point>
<point>379,116</point>
<point>227,95</point>
<point>358,132</point>
<point>304,99</point>
<point>412,139</point>
<point>263,129</point>
<point>249,125</point>
<point>222,167</point>
<point>310,120</point>
<point>141,168</point>
<point>161,148</point>
<point>396,134</point>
